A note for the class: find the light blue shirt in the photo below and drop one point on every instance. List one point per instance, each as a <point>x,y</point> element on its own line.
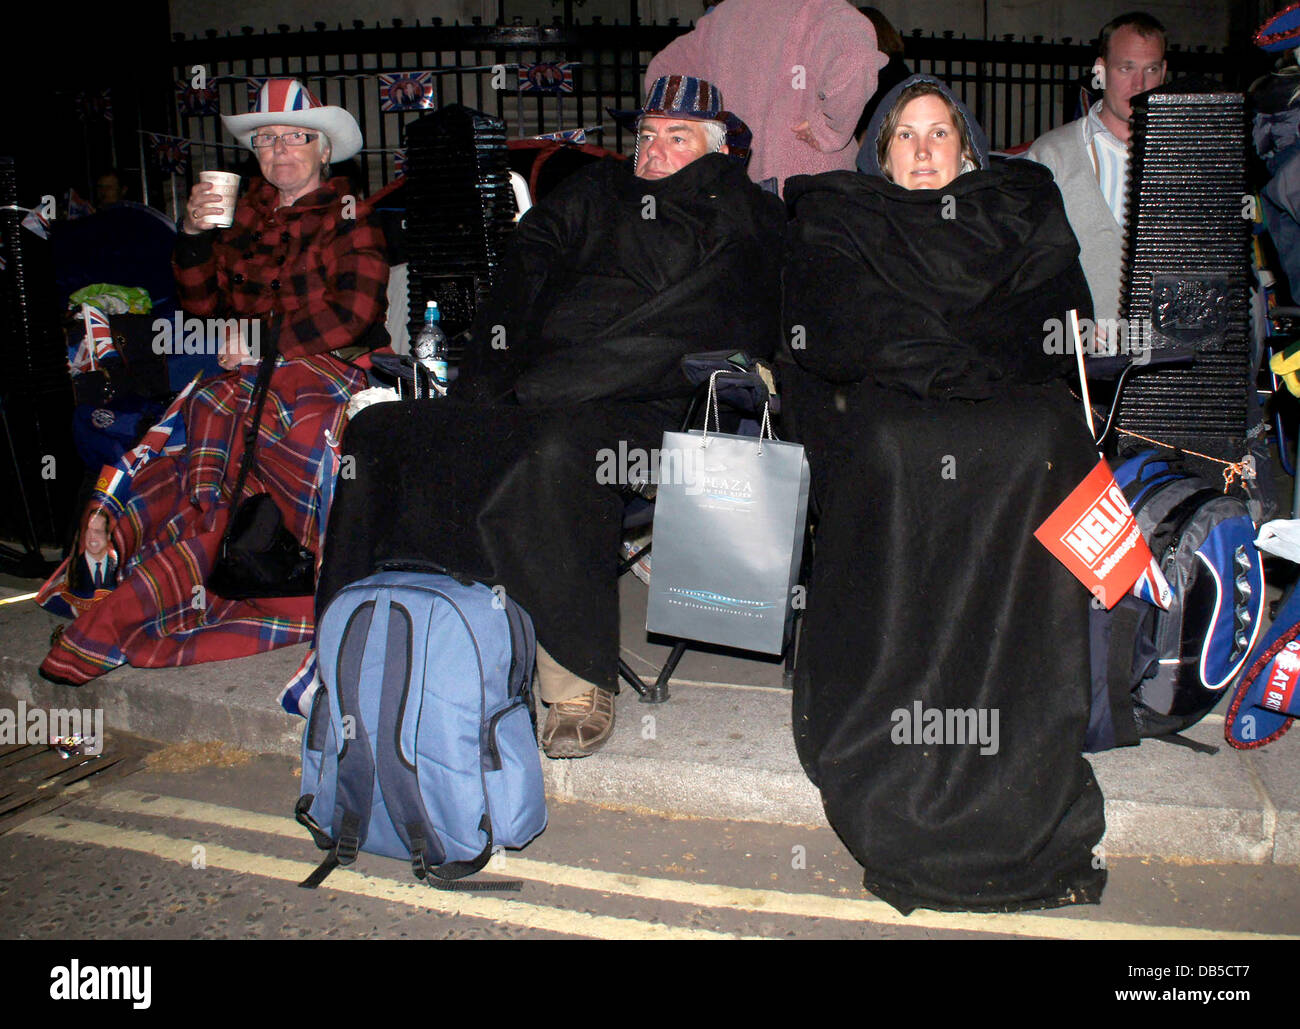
<point>1109,160</point>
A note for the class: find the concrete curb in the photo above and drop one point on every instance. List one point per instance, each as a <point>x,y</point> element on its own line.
<point>714,751</point>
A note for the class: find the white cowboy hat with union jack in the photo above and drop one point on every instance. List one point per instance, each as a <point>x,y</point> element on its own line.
<point>289,102</point>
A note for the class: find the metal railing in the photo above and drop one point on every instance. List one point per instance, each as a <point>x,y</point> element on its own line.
<point>1017,88</point>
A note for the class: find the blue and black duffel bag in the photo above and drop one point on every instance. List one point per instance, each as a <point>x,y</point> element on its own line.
<point>421,742</point>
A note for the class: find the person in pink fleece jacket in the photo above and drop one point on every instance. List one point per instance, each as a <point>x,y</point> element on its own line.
<point>797,71</point>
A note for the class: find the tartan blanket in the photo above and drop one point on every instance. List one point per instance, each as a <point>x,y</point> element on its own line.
<point>161,614</point>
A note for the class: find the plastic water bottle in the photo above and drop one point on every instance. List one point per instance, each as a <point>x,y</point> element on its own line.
<point>430,348</point>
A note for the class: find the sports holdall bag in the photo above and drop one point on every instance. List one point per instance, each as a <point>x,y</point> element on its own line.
<point>1156,673</point>
<point>421,742</point>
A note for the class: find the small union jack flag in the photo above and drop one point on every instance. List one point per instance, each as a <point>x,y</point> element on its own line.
<point>1153,587</point>
<point>399,162</point>
<point>196,102</point>
<point>546,77</point>
<point>406,91</point>
<point>97,344</point>
<point>36,222</point>
<point>78,207</point>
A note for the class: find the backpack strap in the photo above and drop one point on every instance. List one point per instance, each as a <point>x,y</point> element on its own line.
<point>1128,622</point>
<point>398,777</point>
<point>356,762</point>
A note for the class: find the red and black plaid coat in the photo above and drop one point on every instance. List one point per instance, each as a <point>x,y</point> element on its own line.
<point>316,279</point>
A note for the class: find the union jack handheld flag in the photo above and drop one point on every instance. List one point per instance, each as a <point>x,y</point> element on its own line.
<point>97,344</point>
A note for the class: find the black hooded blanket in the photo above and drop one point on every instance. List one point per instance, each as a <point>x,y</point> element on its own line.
<point>942,690</point>
<point>606,285</point>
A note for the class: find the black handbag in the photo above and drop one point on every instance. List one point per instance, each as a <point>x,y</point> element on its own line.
<point>259,557</point>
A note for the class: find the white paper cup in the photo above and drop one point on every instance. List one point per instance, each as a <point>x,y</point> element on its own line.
<point>226,187</point>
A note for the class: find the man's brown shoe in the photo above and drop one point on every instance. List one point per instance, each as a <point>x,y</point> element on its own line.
<point>579,727</point>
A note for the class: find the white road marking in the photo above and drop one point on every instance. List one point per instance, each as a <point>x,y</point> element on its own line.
<point>412,894</point>
<point>713,895</point>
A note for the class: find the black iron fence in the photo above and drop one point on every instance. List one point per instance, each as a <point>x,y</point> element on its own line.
<point>1018,88</point>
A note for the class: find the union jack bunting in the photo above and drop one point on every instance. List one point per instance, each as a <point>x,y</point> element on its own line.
<point>406,91</point>
<point>546,77</point>
<point>95,104</point>
<point>566,136</point>
<point>170,152</point>
<point>196,102</point>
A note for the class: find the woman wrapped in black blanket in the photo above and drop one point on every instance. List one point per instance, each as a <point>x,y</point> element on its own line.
<point>942,691</point>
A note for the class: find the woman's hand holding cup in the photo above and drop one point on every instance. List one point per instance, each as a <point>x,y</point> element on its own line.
<point>211,204</point>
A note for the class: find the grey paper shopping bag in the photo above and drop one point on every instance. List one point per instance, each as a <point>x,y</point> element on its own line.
<point>728,539</point>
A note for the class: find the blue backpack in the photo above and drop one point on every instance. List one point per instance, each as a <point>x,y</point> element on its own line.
<point>421,742</point>
<point>1156,673</point>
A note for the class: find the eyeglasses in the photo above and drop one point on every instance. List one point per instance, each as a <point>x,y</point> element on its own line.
<point>267,139</point>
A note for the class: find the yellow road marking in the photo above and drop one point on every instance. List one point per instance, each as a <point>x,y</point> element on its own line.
<point>412,894</point>
<point>775,902</point>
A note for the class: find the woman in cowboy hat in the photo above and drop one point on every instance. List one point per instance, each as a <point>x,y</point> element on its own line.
<point>300,273</point>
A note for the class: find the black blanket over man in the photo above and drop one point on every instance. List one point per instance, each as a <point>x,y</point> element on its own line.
<point>608,283</point>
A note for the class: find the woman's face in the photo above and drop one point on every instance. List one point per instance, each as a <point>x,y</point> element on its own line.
<point>925,152</point>
<point>294,170</point>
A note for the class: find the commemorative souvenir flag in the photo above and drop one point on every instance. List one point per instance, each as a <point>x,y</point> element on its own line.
<point>1095,535</point>
<point>171,153</point>
<point>546,77</point>
<point>196,102</point>
<point>94,104</point>
<point>406,91</point>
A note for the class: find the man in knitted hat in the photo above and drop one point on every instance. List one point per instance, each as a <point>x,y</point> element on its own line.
<point>615,276</point>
